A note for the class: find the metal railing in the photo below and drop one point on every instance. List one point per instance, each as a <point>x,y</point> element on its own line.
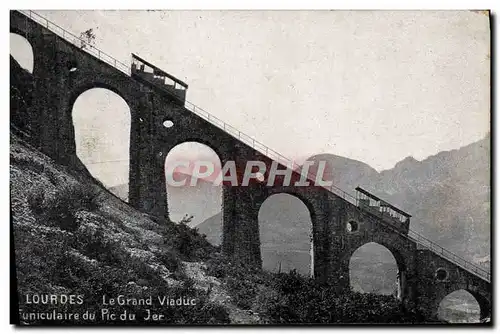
<point>255,144</point>
<point>77,41</point>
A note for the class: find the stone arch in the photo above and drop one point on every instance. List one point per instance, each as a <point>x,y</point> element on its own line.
<point>22,51</point>
<point>102,139</point>
<point>462,305</point>
<point>383,255</point>
<point>300,255</point>
<point>198,189</point>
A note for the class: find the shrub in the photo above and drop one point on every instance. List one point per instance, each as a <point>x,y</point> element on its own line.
<point>288,298</point>
<point>217,267</point>
<point>243,291</point>
<point>51,265</point>
<point>303,300</point>
<point>288,283</point>
<point>241,280</point>
<point>74,197</point>
<point>35,198</point>
<point>28,163</point>
<point>97,246</point>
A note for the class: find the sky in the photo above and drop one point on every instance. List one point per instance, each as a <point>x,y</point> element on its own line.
<point>375,86</point>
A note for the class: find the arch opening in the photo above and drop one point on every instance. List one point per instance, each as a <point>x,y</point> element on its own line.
<point>191,171</point>
<point>441,274</point>
<point>101,120</point>
<point>374,269</point>
<point>286,235</point>
<point>459,307</point>
<point>352,226</point>
<point>22,51</point>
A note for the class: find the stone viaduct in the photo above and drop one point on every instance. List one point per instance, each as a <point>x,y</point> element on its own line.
<point>62,71</point>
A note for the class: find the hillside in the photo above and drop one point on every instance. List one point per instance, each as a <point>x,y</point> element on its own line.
<point>72,237</point>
